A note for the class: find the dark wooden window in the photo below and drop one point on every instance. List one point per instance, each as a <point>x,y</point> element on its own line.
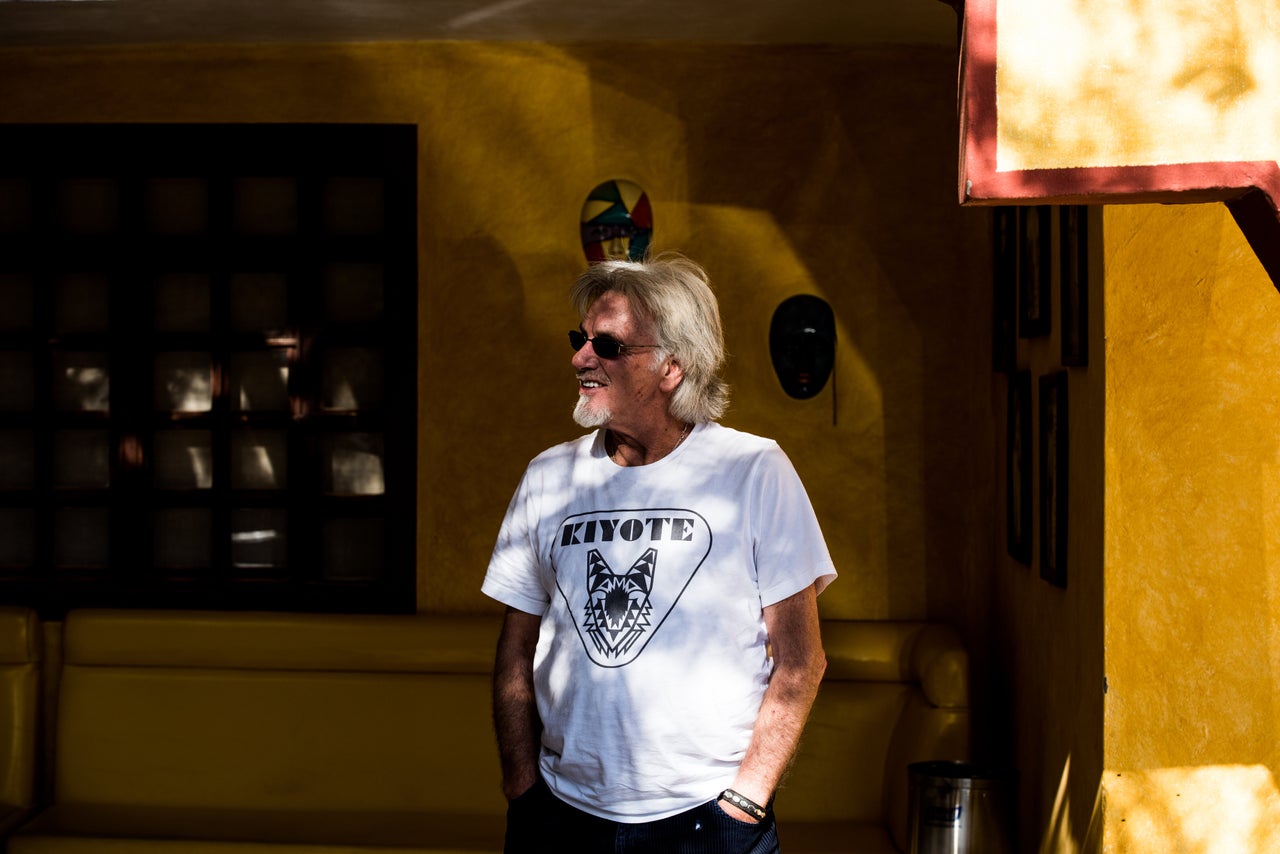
<point>208,366</point>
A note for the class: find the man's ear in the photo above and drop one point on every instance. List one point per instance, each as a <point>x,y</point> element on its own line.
<point>672,375</point>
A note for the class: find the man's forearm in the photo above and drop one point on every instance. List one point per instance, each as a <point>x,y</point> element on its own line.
<point>799,663</point>
<point>777,732</point>
<point>515,710</point>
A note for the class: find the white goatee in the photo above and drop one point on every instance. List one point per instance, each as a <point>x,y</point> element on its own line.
<point>586,416</point>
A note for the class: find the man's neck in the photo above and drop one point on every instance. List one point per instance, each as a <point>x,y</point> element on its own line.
<point>631,450</point>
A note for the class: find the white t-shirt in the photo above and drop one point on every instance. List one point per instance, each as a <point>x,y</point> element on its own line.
<point>652,656</point>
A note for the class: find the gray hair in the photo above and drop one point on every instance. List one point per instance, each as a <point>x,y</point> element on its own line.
<point>674,294</point>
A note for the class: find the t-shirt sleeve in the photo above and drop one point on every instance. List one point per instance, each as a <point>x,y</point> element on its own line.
<point>513,577</point>
<point>791,553</point>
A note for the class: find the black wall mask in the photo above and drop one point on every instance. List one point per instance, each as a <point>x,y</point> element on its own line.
<point>802,344</point>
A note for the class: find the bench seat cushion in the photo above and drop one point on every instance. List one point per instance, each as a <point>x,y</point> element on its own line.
<point>835,837</point>
<point>306,741</point>
<point>68,829</point>
<point>10,817</point>
<point>72,829</point>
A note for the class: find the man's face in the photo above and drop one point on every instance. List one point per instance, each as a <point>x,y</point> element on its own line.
<point>625,393</point>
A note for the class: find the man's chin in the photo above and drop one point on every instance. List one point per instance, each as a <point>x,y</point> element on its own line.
<point>588,416</point>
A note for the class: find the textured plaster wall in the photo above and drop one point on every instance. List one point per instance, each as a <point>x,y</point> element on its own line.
<point>1192,535</point>
<point>783,170</point>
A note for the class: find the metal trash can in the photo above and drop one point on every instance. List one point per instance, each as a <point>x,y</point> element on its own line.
<point>959,808</point>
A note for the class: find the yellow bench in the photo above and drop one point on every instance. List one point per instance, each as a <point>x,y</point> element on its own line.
<point>255,732</point>
<point>19,703</point>
<point>206,732</point>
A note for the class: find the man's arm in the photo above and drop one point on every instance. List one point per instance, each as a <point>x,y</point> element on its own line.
<point>515,710</point>
<point>798,665</point>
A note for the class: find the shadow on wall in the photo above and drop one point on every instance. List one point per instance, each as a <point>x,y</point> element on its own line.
<point>1060,835</point>
<point>487,371</point>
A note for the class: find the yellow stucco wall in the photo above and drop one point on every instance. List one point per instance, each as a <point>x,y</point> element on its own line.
<point>783,170</point>
<point>1192,543</point>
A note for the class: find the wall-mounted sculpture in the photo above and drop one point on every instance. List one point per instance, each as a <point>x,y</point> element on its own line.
<point>617,222</point>
<point>802,344</point>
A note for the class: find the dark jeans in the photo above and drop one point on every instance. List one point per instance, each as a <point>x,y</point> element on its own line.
<point>540,823</point>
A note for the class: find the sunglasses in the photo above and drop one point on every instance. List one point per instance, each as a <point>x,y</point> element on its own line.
<point>605,346</point>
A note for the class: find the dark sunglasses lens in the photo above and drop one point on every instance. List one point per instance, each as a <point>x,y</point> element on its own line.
<point>605,347</point>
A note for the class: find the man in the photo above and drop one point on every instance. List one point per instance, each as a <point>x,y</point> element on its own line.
<point>660,651</point>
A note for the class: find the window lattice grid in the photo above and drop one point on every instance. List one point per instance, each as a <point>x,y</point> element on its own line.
<point>207,372</point>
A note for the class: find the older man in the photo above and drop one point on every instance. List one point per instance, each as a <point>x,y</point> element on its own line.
<point>660,650</point>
